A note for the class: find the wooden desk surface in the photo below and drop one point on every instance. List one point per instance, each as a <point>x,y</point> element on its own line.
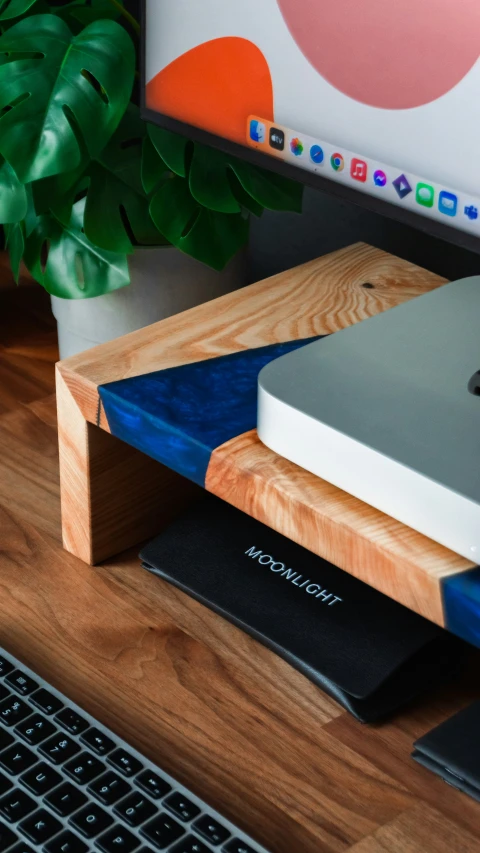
<point>216,709</point>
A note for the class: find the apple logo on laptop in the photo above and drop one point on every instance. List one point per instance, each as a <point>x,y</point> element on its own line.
<point>474,384</point>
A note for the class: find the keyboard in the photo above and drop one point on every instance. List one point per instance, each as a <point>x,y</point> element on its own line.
<point>70,785</point>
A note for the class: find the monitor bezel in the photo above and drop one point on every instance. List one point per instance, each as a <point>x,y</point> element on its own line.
<point>430,227</point>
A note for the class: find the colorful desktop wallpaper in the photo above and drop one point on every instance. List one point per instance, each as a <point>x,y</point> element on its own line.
<point>215,86</point>
<point>398,82</point>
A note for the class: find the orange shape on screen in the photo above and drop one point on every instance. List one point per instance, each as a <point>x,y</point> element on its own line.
<point>215,86</point>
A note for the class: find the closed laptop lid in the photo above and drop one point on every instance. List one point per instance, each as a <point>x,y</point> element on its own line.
<point>398,383</point>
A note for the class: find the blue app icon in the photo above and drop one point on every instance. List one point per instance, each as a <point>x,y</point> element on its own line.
<point>379,178</point>
<point>447,203</point>
<point>257,131</point>
<point>471,211</point>
<point>317,155</point>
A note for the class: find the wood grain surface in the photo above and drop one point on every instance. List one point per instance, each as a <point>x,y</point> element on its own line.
<point>223,714</point>
<point>328,521</point>
<point>111,494</point>
<point>319,297</point>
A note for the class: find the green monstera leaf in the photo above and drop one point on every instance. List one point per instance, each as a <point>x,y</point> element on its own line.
<point>204,234</point>
<point>14,8</point>
<point>15,245</point>
<point>59,193</point>
<point>172,148</point>
<point>73,267</point>
<point>61,95</point>
<point>224,183</point>
<point>115,185</point>
<point>111,182</point>
<point>219,181</point>
<point>9,8</point>
<point>153,167</point>
<point>79,13</point>
<point>13,195</point>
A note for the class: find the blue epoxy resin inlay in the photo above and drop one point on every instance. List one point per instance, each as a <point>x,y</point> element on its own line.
<point>179,416</point>
<point>461,605</point>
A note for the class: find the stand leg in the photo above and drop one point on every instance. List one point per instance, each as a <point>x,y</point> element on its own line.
<point>112,495</point>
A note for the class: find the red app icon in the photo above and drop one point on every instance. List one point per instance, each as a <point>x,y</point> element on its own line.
<point>358,170</point>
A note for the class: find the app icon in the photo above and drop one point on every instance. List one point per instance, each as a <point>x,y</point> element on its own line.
<point>358,170</point>
<point>277,138</point>
<point>257,131</point>
<point>402,186</point>
<point>296,146</point>
<point>316,154</point>
<point>425,195</point>
<point>447,203</point>
<point>337,162</point>
<point>379,178</point>
<point>471,211</point>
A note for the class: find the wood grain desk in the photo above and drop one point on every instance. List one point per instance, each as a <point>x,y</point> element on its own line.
<point>219,711</point>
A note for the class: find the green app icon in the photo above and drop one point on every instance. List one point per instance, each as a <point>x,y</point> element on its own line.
<point>425,195</point>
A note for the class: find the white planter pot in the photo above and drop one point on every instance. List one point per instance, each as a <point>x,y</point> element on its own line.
<point>164,281</point>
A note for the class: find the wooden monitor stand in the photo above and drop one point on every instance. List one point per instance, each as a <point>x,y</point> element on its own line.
<point>114,496</point>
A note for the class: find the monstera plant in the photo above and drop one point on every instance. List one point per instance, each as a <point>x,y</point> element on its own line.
<point>84,181</point>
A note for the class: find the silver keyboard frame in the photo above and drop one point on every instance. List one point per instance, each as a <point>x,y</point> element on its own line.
<point>119,743</point>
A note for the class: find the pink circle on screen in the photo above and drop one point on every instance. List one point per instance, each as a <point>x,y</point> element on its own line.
<point>394,54</point>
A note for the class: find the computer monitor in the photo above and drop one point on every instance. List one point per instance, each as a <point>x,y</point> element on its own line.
<point>374,101</point>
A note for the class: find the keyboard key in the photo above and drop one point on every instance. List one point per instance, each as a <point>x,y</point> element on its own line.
<point>66,799</point>
<point>91,820</point>
<point>17,758</point>
<point>190,844</point>
<point>237,846</point>
<point>109,788</point>
<point>135,809</point>
<point>35,729</point>
<point>117,840</point>
<point>162,831</point>
<point>46,702</point>
<point>5,667</point>
<point>211,829</point>
<point>153,784</point>
<point>41,779</point>
<point>97,741</point>
<point>40,826</point>
<point>126,763</point>
<point>21,847</point>
<point>16,805</point>
<point>3,692</point>
<point>59,748</point>
<point>13,711</point>
<point>20,682</point>
<point>71,721</point>
<point>181,806</point>
<point>5,739</point>
<point>66,842</point>
<point>7,837</point>
<point>5,784</point>
<point>83,768</point>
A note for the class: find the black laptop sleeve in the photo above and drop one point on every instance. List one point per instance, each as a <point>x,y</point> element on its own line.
<point>367,651</point>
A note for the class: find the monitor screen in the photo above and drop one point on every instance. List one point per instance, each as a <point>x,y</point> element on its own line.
<point>378,101</point>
